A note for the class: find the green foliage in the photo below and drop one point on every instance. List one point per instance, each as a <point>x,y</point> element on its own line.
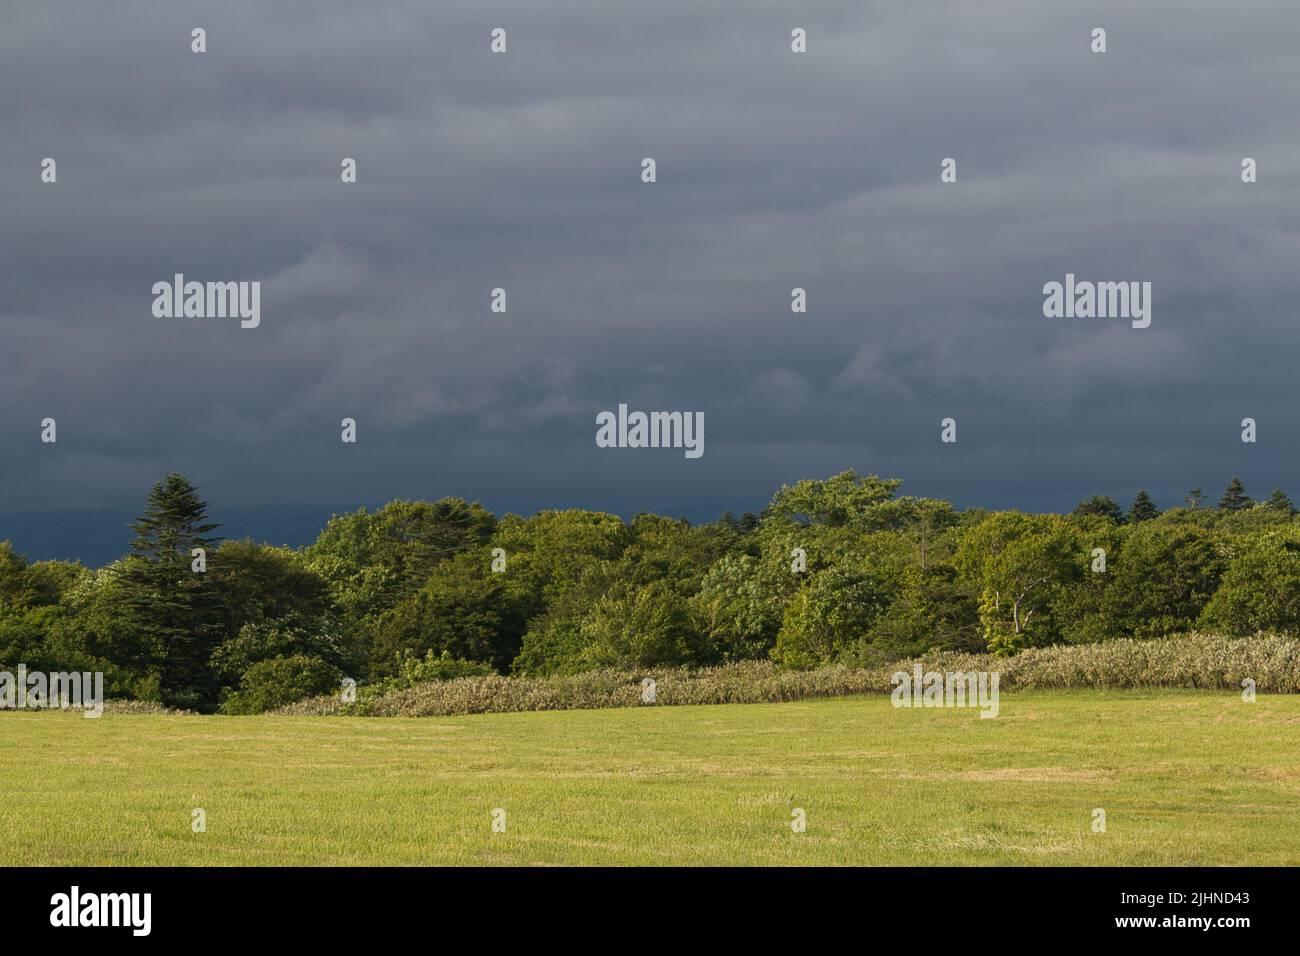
<point>932,609</point>
<point>24,585</point>
<point>646,626</point>
<point>462,608</point>
<point>1234,496</point>
<point>1250,522</point>
<point>1161,580</point>
<point>1261,588</point>
<point>554,641</point>
<point>1279,501</point>
<point>260,583</point>
<point>838,570</point>
<point>849,500</point>
<point>24,639</point>
<point>845,499</point>
<point>91,630</point>
<point>831,613</point>
<point>279,682</point>
<point>1143,509</point>
<point>1020,565</point>
<point>414,670</point>
<point>260,641</point>
<point>554,551</point>
<point>372,562</point>
<point>174,523</point>
<point>558,565</point>
<point>740,604</point>
<point>671,550</point>
<point>175,611</point>
<point>1099,505</point>
<point>32,612</point>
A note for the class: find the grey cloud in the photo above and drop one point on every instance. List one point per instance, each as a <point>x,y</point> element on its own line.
<point>521,171</point>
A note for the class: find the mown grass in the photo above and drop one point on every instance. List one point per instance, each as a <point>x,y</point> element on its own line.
<point>1185,777</point>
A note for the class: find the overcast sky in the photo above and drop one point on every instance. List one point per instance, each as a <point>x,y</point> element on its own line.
<point>522,171</point>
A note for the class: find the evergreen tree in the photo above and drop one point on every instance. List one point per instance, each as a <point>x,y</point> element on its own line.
<point>175,609</point>
<point>1144,509</point>
<point>1194,498</point>
<point>1280,502</point>
<point>1234,496</point>
<point>1100,505</point>
<point>746,523</point>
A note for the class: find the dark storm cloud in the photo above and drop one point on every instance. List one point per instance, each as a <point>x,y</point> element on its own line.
<point>522,171</point>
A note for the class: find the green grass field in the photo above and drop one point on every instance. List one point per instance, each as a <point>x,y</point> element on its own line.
<point>1185,777</point>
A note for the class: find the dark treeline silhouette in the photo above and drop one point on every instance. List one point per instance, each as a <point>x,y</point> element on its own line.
<point>843,569</point>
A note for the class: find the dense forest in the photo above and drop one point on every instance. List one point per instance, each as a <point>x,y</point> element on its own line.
<point>842,570</point>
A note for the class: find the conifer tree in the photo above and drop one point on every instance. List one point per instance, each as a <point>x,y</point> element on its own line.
<point>176,610</point>
<point>1234,496</point>
<point>1102,505</point>
<point>1279,501</point>
<point>1144,509</point>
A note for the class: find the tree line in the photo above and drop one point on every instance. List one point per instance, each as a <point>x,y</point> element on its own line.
<point>844,569</point>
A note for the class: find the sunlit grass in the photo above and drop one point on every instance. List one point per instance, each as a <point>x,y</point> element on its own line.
<point>1184,777</point>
